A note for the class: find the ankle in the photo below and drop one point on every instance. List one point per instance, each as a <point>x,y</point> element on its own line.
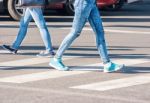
<point>57,57</point>
<point>108,64</point>
<point>13,47</point>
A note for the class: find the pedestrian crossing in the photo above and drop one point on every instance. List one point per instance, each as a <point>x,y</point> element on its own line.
<point>77,70</point>
<point>40,76</point>
<point>26,62</point>
<point>115,84</point>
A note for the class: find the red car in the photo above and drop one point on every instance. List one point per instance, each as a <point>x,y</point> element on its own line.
<point>103,3</point>
<point>16,12</point>
<point>109,4</point>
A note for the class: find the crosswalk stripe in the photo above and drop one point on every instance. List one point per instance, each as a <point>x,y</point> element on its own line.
<point>98,66</point>
<point>26,62</point>
<point>129,62</point>
<point>115,84</point>
<point>119,83</point>
<point>39,76</point>
<point>4,51</point>
<point>56,74</point>
<point>116,31</point>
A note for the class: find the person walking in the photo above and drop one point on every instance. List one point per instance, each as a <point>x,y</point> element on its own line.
<point>85,10</point>
<point>36,14</point>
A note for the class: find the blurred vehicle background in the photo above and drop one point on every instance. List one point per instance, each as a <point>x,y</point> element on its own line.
<point>11,6</point>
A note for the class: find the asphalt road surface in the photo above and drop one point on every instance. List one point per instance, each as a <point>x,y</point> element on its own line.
<point>25,78</point>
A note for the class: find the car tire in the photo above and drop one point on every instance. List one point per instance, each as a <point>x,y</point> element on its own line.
<point>69,8</point>
<point>15,13</point>
<point>116,6</point>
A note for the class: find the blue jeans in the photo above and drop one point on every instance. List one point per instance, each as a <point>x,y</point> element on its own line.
<point>86,10</point>
<point>37,15</point>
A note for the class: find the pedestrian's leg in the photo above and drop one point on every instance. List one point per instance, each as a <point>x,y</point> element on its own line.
<point>82,11</point>
<point>96,23</point>
<point>24,22</point>
<point>37,15</point>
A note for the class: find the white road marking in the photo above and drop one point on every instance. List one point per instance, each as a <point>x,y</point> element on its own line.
<point>116,84</point>
<point>99,66</point>
<point>56,74</point>
<point>129,62</point>
<point>116,31</point>
<point>131,1</point>
<point>119,83</point>
<point>4,51</point>
<point>26,62</point>
<point>126,31</point>
<point>39,76</point>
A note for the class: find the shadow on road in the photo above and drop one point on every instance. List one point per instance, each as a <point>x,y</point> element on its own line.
<point>24,68</point>
<point>126,69</point>
<point>86,52</point>
<point>135,70</point>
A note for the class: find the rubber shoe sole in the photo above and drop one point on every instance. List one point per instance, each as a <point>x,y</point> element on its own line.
<point>60,69</point>
<point>119,69</point>
<point>11,50</point>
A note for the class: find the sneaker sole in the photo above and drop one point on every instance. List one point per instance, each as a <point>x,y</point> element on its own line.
<point>117,70</point>
<point>8,50</point>
<point>57,68</point>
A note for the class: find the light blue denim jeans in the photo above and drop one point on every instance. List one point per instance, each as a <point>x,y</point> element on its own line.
<point>37,15</point>
<point>86,10</point>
